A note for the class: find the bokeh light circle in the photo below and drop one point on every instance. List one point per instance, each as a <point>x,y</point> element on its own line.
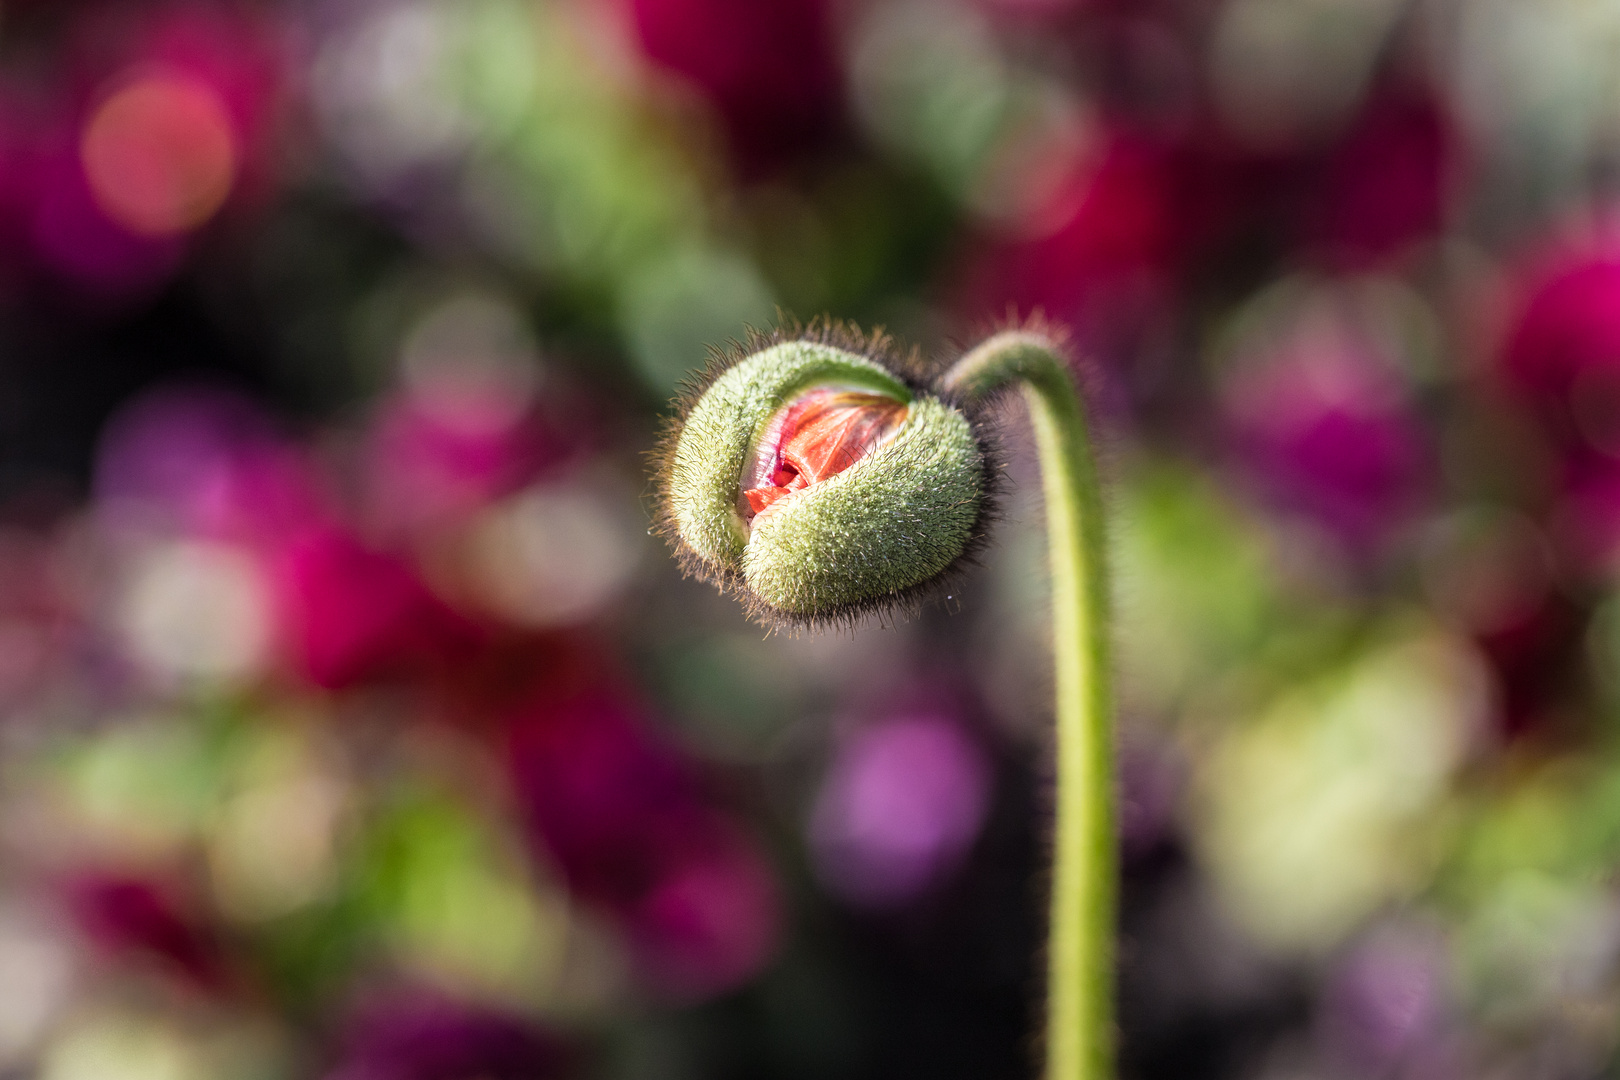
<point>160,154</point>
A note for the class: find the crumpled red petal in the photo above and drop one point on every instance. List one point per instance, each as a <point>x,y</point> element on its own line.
<point>821,434</point>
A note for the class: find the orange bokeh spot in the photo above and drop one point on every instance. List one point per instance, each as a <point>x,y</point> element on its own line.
<point>160,154</point>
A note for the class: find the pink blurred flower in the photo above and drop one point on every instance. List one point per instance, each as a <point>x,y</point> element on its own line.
<point>623,818</point>
<point>711,922</point>
<point>770,70</point>
<point>352,614</point>
<point>1585,524</point>
<point>1562,360</point>
<point>467,424</point>
<point>900,805</point>
<point>426,468</point>
<point>423,469</point>
<point>1565,345</point>
<point>207,464</point>
<point>426,1038</point>
<point>1111,228</point>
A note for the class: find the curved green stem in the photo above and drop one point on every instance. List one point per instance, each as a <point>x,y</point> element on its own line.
<point>1080,971</point>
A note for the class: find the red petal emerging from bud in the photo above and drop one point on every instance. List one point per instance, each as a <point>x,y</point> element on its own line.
<point>821,434</point>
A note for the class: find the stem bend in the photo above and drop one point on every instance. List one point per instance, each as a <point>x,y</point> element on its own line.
<point>1080,962</point>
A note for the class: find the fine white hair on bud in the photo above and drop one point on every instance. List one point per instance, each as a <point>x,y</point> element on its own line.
<point>818,476</point>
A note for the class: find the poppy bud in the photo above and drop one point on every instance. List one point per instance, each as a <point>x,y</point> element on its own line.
<point>820,481</point>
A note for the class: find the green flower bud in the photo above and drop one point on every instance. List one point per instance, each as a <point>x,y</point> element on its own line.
<point>821,481</point>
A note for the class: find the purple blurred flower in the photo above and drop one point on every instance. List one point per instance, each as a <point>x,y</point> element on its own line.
<point>1384,1001</point>
<point>622,817</point>
<point>1328,430</point>
<point>899,808</point>
<point>770,70</point>
<point>74,238</point>
<point>207,463</point>
<point>1150,783</point>
<point>431,1039</point>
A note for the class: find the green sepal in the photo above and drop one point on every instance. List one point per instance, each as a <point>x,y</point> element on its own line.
<point>897,518</point>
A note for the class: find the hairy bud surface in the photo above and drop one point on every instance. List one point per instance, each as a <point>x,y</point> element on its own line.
<point>821,483</point>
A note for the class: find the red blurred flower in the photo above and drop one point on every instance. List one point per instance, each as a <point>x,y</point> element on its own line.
<point>231,55</point>
<point>130,916</point>
<point>771,70</point>
<point>1384,184</point>
<point>1533,658</point>
<point>1098,253</point>
<point>160,154</point>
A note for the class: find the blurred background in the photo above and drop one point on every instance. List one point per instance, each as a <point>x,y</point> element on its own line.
<point>353,728</point>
